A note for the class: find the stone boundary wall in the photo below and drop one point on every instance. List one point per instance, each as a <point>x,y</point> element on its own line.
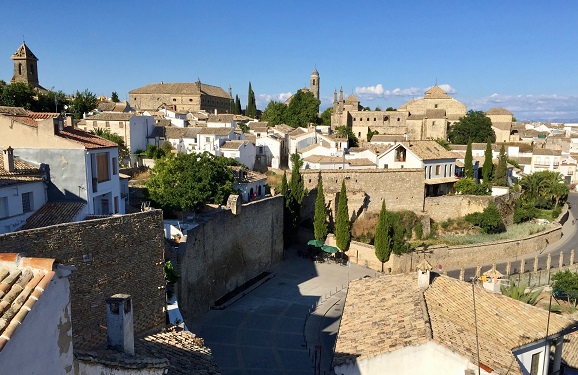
<point>447,207</point>
<point>123,254</point>
<point>228,250</point>
<point>455,257</point>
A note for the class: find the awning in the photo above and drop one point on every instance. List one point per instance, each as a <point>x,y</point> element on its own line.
<point>443,180</point>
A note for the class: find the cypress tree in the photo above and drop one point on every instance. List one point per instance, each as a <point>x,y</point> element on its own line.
<point>488,168</point>
<point>284,186</point>
<point>502,170</point>
<point>251,110</point>
<point>296,184</point>
<point>342,225</point>
<point>383,236</point>
<point>469,161</point>
<point>238,109</point>
<point>320,218</point>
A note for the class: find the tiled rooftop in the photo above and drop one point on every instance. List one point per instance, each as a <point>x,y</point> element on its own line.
<point>53,213</point>
<point>386,314</point>
<point>88,140</point>
<point>22,282</point>
<point>182,88</point>
<point>23,172</point>
<point>215,131</point>
<point>428,150</point>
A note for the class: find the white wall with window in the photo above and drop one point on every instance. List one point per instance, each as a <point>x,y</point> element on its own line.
<point>104,195</point>
<point>18,202</point>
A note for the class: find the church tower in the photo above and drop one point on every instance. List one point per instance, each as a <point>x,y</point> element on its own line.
<point>314,80</point>
<point>25,67</point>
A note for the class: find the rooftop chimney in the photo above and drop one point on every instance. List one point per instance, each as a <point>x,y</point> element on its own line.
<point>423,274</point>
<point>120,330</point>
<point>8,159</point>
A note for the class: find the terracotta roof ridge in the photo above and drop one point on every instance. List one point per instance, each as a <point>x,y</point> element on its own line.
<point>426,319</point>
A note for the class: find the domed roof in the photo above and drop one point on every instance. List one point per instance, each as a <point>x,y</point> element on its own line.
<point>315,72</point>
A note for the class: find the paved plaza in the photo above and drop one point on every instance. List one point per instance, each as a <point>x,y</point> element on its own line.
<point>271,330</point>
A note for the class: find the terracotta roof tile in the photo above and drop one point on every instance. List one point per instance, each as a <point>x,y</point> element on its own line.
<point>88,140</point>
<point>182,88</point>
<point>111,116</point>
<point>428,150</point>
<point>498,111</point>
<point>23,173</point>
<point>53,213</point>
<point>215,131</point>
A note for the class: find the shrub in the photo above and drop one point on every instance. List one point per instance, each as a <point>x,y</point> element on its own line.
<point>469,186</point>
<point>418,230</point>
<point>524,213</point>
<point>489,220</point>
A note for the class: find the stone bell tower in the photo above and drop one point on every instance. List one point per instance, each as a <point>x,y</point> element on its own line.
<point>314,81</point>
<point>25,67</point>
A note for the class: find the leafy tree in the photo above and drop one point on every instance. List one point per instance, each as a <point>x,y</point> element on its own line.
<point>342,224</point>
<point>501,178</point>
<point>524,212</point>
<point>383,236</point>
<point>82,102</point>
<point>302,109</point>
<point>370,134</point>
<point>390,109</point>
<point>50,101</point>
<point>320,217</point>
<point>18,94</point>
<point>154,152</point>
<point>344,131</point>
<point>326,116</point>
<point>275,113</point>
<point>518,292</point>
<point>469,161</point>
<point>565,285</point>
<point>123,152</point>
<point>188,181</point>
<point>475,127</point>
<point>488,168</point>
<point>468,186</point>
<point>167,147</point>
<point>445,144</point>
<point>114,97</point>
<point>238,109</point>
<point>489,220</point>
<point>377,109</point>
<point>251,110</point>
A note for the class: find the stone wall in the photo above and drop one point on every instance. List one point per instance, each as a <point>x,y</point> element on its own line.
<point>113,255</point>
<point>402,189</point>
<point>447,207</point>
<point>455,257</point>
<point>228,250</point>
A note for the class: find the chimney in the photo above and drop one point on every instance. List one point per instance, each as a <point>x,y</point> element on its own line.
<point>8,159</point>
<point>120,330</point>
<point>423,274</point>
<point>69,120</point>
<point>215,111</point>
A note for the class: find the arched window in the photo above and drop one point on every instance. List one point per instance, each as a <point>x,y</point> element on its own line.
<point>20,69</point>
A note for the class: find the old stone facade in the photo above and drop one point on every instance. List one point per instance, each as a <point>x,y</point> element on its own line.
<point>112,255</point>
<point>501,123</point>
<point>25,67</point>
<point>425,118</point>
<point>190,96</point>
<point>227,251</point>
<point>402,189</point>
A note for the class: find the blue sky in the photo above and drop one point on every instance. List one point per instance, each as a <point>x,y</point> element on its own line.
<point>520,55</point>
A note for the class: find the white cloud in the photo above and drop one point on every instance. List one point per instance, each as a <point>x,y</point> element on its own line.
<point>375,92</point>
<point>264,99</point>
<point>555,108</point>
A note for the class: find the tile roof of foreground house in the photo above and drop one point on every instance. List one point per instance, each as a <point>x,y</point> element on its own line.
<point>178,352</point>
<point>385,314</point>
<point>53,213</point>
<point>23,172</point>
<point>88,140</point>
<point>428,150</point>
<point>22,282</point>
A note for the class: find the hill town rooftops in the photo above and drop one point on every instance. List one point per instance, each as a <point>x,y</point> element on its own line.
<point>181,88</point>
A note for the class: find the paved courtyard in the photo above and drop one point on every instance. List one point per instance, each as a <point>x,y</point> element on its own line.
<point>270,330</point>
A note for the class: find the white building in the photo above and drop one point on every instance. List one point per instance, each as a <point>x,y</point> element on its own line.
<point>241,151</point>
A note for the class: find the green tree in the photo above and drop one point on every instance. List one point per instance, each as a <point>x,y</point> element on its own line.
<point>326,116</point>
<point>468,186</point>
<point>469,161</point>
<point>383,236</point>
<point>390,109</point>
<point>51,101</point>
<point>114,97</point>
<point>445,144</point>
<point>251,110</point>
<point>489,220</point>
<point>295,192</point>
<point>475,126</point>
<point>302,109</point>
<point>377,109</point>
<point>344,131</point>
<point>18,94</point>
<point>275,113</point>
<point>188,181</point>
<point>501,177</point>
<point>371,133</point>
<point>342,224</point>
<point>488,168</point>
<point>123,152</point>
<point>82,102</point>
<point>565,285</point>
<point>238,109</point>
<point>320,217</point>
<point>284,185</point>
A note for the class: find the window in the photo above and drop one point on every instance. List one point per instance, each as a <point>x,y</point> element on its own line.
<point>359,134</point>
<point>385,166</point>
<point>429,172</point>
<point>434,122</point>
<point>438,170</point>
<point>107,124</point>
<point>3,207</point>
<point>174,100</point>
<point>102,171</point>
<point>207,139</point>
<point>435,106</point>
<point>400,154</point>
<point>535,366</point>
<point>121,124</point>
<point>116,205</point>
<point>114,166</point>
<point>94,124</point>
<point>398,119</point>
<point>19,69</point>
<point>27,202</point>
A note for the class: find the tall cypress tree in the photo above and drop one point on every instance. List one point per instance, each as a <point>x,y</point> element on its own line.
<point>342,225</point>
<point>469,161</point>
<point>320,217</point>
<point>502,170</point>
<point>251,110</point>
<point>238,109</point>
<point>488,168</point>
<point>383,236</point>
<point>295,194</point>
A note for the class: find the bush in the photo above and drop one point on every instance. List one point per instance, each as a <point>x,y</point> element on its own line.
<point>418,230</point>
<point>469,186</point>
<point>524,213</point>
<point>489,220</point>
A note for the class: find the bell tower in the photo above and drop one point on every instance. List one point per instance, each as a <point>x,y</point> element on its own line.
<point>25,66</point>
<point>314,81</point>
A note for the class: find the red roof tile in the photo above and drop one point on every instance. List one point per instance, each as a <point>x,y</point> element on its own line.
<point>88,140</point>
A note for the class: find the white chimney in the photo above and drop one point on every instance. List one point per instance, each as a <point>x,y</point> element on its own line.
<point>215,111</point>
<point>423,274</point>
<point>119,327</point>
<point>8,159</point>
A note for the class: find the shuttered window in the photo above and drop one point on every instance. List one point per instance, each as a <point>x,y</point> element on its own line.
<point>102,171</point>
